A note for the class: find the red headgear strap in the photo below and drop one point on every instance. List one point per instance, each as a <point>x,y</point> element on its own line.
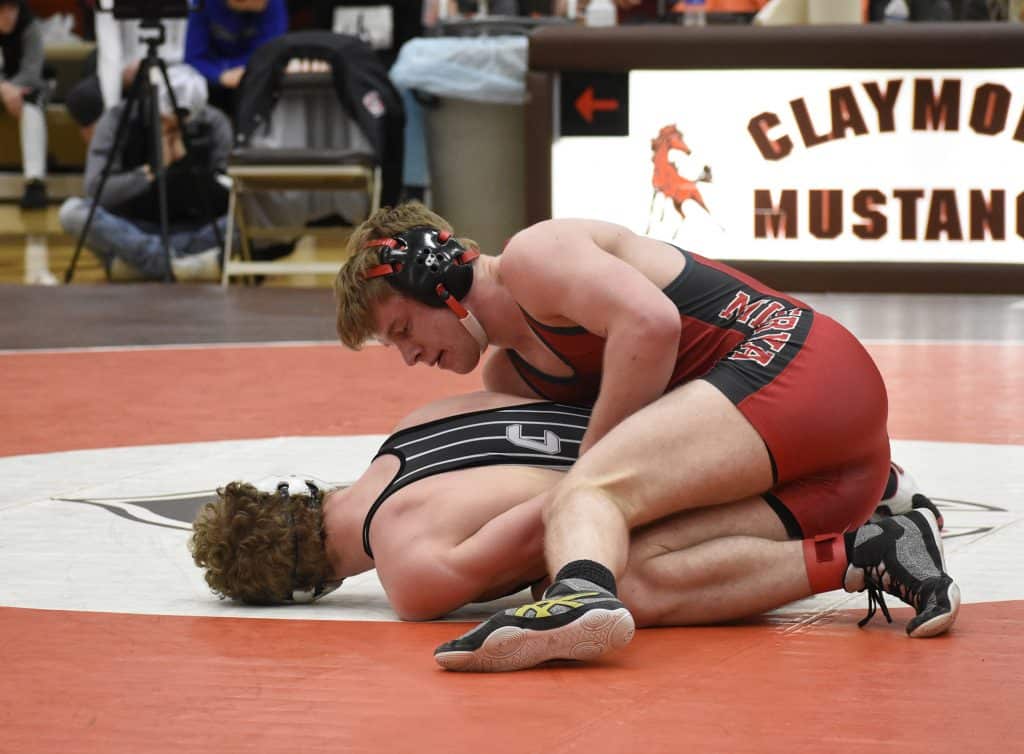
<point>382,270</point>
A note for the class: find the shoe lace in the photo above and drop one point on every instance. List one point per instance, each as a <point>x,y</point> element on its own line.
<point>878,580</point>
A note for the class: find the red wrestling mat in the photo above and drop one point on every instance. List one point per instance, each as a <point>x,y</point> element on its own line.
<point>100,399</point>
<point>130,683</point>
<point>113,683</point>
<point>72,401</point>
<point>964,392</point>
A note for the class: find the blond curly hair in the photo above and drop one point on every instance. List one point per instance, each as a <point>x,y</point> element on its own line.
<point>248,541</point>
<point>356,297</point>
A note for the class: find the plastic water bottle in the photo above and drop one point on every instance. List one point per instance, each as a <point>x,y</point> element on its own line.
<point>897,12</point>
<point>695,13</point>
<point>600,13</point>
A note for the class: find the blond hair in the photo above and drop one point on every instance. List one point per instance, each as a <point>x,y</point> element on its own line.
<point>356,297</point>
<point>248,541</point>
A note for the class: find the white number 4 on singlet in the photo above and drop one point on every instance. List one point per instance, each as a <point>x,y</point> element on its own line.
<point>549,443</point>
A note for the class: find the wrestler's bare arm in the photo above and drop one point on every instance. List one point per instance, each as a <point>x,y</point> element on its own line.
<point>432,576</point>
<point>589,286</point>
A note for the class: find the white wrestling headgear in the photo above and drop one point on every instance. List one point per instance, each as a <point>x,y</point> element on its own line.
<point>314,490</point>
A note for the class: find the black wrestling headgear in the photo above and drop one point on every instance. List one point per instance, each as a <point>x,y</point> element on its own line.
<point>425,263</point>
<point>313,490</point>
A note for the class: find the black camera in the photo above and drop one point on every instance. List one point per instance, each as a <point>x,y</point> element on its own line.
<point>145,9</point>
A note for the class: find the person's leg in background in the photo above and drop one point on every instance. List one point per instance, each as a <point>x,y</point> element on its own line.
<point>415,165</point>
<point>196,251</point>
<point>193,240</point>
<point>112,238</point>
<point>32,125</point>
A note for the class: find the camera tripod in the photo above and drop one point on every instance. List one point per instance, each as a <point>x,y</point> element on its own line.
<point>143,94</point>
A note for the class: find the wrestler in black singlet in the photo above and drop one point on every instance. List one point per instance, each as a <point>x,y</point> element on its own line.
<point>532,434</point>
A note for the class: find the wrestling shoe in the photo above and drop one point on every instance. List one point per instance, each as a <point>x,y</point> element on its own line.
<point>902,555</point>
<point>576,620</point>
<point>902,496</point>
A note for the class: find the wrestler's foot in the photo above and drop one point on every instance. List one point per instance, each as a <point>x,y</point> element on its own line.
<point>903,556</point>
<point>902,496</point>
<point>575,620</point>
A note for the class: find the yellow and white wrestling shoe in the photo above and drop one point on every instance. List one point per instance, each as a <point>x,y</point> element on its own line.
<point>576,620</point>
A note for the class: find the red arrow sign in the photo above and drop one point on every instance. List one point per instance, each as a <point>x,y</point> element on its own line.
<point>587,104</point>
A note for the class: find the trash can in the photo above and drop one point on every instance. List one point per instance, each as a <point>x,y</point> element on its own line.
<point>474,129</point>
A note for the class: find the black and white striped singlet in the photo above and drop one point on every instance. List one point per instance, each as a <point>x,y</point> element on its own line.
<point>533,434</point>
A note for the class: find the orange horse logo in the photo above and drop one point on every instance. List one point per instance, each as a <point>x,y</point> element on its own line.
<point>666,179</point>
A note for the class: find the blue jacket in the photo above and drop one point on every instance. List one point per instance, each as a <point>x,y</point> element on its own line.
<point>219,38</point>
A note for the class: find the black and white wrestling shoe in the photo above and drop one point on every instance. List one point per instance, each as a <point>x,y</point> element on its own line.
<point>902,495</point>
<point>576,620</point>
<point>902,555</point>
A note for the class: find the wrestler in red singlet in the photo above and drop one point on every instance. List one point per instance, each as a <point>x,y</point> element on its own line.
<point>802,380</point>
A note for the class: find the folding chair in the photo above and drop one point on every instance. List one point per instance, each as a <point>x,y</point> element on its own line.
<point>340,132</point>
<point>254,169</point>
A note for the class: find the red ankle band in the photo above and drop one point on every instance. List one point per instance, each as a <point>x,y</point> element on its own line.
<point>825,560</point>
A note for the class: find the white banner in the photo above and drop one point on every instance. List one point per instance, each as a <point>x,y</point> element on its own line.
<point>852,165</point>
